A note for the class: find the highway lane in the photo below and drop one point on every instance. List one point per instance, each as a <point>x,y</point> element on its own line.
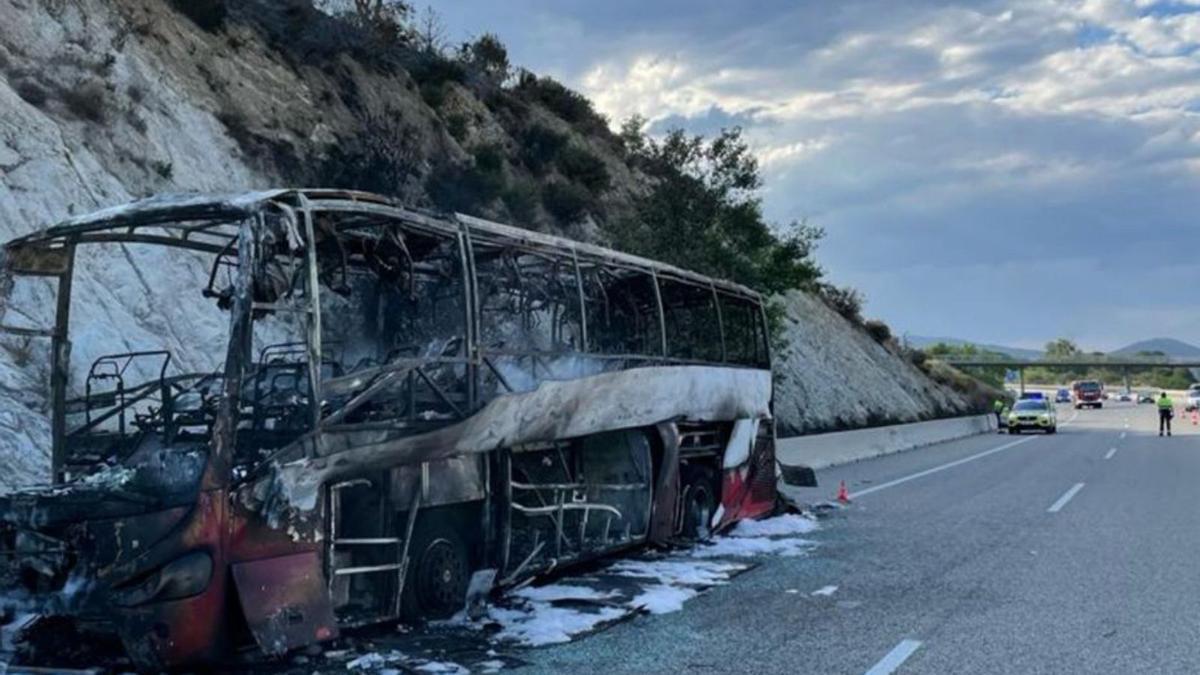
<point>1069,553</point>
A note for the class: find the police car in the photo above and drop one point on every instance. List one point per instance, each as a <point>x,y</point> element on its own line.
<point>1033,414</point>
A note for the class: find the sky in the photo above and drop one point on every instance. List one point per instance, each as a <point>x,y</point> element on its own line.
<point>1004,171</point>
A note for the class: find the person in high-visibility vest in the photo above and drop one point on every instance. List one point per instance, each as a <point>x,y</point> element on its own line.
<point>1166,410</point>
<point>998,408</point>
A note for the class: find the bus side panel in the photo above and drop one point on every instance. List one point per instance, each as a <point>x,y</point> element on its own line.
<point>749,491</point>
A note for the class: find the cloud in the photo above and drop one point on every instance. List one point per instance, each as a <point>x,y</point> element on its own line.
<point>950,149</point>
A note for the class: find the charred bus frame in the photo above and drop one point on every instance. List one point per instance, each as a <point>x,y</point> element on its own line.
<point>525,401</point>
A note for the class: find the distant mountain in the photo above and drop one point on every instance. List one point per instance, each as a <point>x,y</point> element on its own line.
<point>1168,346</point>
<point>921,342</point>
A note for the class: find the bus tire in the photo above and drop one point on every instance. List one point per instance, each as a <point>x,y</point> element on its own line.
<point>699,485</point>
<point>439,570</point>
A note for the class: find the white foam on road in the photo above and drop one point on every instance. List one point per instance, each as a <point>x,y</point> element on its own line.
<point>943,467</point>
<point>1062,501</point>
<point>558,592</point>
<point>689,572</point>
<point>541,623</point>
<point>535,615</point>
<point>663,599</point>
<point>750,547</point>
<point>895,658</point>
<point>779,526</point>
<point>441,668</point>
<point>1111,452</point>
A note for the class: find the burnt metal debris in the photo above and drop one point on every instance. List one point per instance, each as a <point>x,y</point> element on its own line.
<point>410,406</point>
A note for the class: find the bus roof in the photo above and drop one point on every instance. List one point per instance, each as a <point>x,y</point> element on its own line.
<point>120,224</point>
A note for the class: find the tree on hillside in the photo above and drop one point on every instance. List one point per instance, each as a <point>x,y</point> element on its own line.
<point>387,19</point>
<point>431,32</point>
<point>488,56</point>
<point>1061,348</point>
<point>704,213</point>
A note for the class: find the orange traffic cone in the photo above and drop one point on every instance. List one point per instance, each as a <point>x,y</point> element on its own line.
<point>843,496</point>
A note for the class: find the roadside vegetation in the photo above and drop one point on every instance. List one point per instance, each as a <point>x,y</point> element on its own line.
<point>1064,349</point>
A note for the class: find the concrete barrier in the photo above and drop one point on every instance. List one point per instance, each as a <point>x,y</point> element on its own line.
<point>841,447</point>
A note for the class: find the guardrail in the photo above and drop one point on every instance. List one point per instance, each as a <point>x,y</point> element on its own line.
<point>818,451</point>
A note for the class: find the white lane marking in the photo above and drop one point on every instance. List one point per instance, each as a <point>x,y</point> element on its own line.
<point>1111,452</point>
<point>1062,501</point>
<point>943,467</point>
<point>895,658</point>
<point>1122,435</point>
<point>825,590</point>
<point>1076,414</point>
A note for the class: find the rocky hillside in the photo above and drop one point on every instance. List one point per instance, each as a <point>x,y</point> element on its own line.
<point>833,375</point>
<point>103,101</point>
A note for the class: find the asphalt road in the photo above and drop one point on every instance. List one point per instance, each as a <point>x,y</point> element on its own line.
<point>1073,553</point>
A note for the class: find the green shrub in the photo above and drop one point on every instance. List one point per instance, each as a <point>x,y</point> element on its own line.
<point>207,14</point>
<point>434,94</point>
<point>87,101</point>
<point>521,200</point>
<point>540,146</point>
<point>488,56</point>
<point>843,300</point>
<point>918,358</point>
<point>165,170</point>
<point>456,125</point>
<point>31,92</point>
<point>432,68</point>
<point>567,104</point>
<point>466,189</point>
<point>878,330</point>
<point>381,158</point>
<point>567,202</point>
<point>580,165</point>
<point>489,159</point>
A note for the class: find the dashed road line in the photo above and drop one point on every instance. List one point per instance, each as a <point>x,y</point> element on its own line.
<point>1062,501</point>
<point>895,658</point>
<point>1111,452</point>
<point>942,467</point>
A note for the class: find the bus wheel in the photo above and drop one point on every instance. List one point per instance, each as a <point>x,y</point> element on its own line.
<point>439,571</point>
<point>699,484</point>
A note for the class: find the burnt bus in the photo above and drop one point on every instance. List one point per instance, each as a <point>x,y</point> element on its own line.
<point>392,409</point>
